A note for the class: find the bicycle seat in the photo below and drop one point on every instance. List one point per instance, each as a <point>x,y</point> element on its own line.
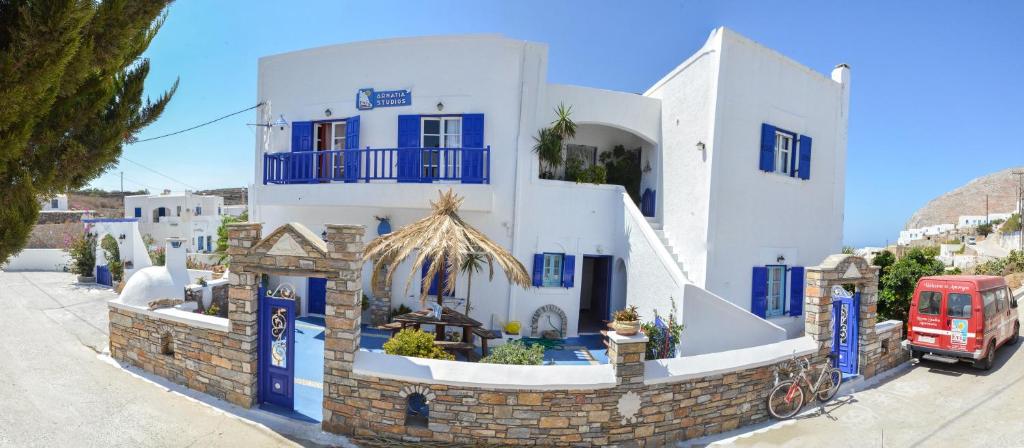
<point>833,356</point>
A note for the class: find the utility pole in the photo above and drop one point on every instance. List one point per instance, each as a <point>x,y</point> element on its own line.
<point>1020,208</point>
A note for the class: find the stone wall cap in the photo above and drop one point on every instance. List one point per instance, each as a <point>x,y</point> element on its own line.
<point>490,376</point>
<point>180,316</point>
<point>617,338</point>
<point>888,325</point>
<point>689,367</point>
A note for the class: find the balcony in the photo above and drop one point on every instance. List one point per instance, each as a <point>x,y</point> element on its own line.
<point>411,165</point>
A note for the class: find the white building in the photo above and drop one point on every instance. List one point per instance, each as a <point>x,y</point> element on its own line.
<point>736,202</point>
<point>967,221</point>
<point>234,210</point>
<point>906,236</point>
<point>55,203</point>
<point>186,215</point>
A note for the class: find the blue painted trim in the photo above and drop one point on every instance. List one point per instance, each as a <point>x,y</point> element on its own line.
<point>97,220</point>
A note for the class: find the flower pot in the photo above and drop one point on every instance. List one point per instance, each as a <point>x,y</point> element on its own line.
<point>84,279</point>
<point>626,328</point>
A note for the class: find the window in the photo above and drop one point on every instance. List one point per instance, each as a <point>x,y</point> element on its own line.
<point>584,153</point>
<point>784,152</point>
<point>177,211</point>
<point>989,299</point>
<point>441,132</point>
<point>417,410</point>
<point>54,203</point>
<point>138,212</point>
<point>776,291</point>
<point>1001,303</point>
<point>930,303</point>
<point>553,269</point>
<point>329,136</point>
<point>219,212</point>
<point>199,210</point>
<point>958,306</point>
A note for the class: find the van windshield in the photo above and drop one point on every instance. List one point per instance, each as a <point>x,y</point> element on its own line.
<point>958,305</point>
<point>930,302</point>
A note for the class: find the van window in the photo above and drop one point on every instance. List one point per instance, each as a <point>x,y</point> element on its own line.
<point>1001,303</point>
<point>989,298</point>
<point>930,302</point>
<point>958,305</point>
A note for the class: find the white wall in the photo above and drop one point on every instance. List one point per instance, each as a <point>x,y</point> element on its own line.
<point>62,203</point>
<point>757,216</point>
<point>38,260</point>
<point>186,225</point>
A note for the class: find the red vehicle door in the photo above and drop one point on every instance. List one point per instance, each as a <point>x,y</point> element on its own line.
<point>962,321</point>
<point>927,320</point>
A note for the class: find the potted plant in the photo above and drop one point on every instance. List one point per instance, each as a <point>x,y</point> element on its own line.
<point>627,321</point>
<point>83,255</point>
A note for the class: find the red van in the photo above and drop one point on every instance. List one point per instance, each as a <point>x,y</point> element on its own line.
<point>962,317</point>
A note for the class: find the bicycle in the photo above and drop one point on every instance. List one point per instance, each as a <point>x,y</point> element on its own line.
<point>787,397</point>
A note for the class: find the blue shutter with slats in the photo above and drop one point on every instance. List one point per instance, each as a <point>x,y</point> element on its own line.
<point>767,147</point>
<point>805,157</point>
<point>199,245</point>
<point>538,269</point>
<point>568,270</point>
<point>759,292</point>
<point>408,148</point>
<point>473,143</point>
<point>352,159</point>
<point>796,291</point>
<point>138,212</point>
<point>300,166</point>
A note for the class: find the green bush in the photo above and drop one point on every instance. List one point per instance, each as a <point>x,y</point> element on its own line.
<point>415,343</point>
<point>113,256</point>
<point>622,167</point>
<point>661,343</point>
<point>1011,225</point>
<point>596,174</point>
<point>402,309</point>
<point>516,353</point>
<point>83,255</point>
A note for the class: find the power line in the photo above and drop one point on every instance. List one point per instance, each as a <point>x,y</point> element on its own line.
<point>196,126</point>
<point>157,172</point>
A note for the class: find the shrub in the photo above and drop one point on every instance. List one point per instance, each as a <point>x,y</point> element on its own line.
<point>595,174</point>
<point>83,255</point>
<point>158,256</point>
<point>1011,225</point>
<point>415,343</point>
<point>516,353</point>
<point>113,256</point>
<point>984,229</point>
<point>213,310</point>
<point>622,167</point>
<point>662,341</point>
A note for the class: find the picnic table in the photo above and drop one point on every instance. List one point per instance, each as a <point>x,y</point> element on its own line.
<point>449,317</point>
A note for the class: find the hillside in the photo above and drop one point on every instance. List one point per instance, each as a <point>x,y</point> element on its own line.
<point>1001,188</point>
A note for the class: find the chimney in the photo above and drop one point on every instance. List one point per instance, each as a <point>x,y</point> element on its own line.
<point>174,260</point>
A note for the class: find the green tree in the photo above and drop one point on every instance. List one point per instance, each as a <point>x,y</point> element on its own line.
<point>71,80</point>
<point>900,279</point>
<point>1011,225</point>
<point>222,234</point>
<point>984,229</point>
<point>472,263</point>
<point>883,260</point>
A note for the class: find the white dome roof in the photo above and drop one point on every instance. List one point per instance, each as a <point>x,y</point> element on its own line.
<point>149,284</point>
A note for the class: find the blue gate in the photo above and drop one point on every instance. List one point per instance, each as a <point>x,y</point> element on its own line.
<point>845,333</point>
<point>277,351</point>
<point>316,290</point>
<point>103,276</point>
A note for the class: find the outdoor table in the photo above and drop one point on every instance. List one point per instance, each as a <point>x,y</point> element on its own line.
<point>449,317</point>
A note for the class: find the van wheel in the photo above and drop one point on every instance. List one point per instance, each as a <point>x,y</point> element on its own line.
<point>1016,334</point>
<point>916,354</point>
<point>989,359</point>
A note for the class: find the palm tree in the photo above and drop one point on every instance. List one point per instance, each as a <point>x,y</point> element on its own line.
<point>474,262</point>
<point>563,125</point>
<point>443,239</point>
<point>548,146</point>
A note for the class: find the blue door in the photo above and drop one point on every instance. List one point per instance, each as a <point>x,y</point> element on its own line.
<point>103,276</point>
<point>845,319</point>
<point>317,292</point>
<point>277,351</point>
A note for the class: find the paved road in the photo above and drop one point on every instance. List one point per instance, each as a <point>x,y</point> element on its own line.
<point>56,391</point>
<point>929,405</point>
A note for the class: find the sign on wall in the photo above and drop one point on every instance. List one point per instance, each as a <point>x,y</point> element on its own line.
<point>367,99</point>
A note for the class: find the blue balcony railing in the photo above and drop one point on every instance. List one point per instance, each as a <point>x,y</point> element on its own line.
<point>415,165</point>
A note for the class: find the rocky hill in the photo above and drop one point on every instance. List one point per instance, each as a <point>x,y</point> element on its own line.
<point>1001,188</point>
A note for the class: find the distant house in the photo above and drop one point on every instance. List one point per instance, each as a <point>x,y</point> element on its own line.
<point>186,215</point>
<point>966,221</point>
<point>235,210</point>
<point>54,203</point>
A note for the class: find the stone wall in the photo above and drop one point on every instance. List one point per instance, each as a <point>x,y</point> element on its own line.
<point>202,359</point>
<point>891,352</point>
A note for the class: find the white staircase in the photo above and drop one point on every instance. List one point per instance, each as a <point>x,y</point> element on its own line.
<point>666,240</point>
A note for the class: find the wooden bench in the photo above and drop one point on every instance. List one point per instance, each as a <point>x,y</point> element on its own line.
<point>393,327</point>
<point>486,335</point>
<point>466,348</point>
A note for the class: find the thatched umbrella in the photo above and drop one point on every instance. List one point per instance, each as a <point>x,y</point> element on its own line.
<point>446,240</point>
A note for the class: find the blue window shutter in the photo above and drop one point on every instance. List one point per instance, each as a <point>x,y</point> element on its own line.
<point>796,291</point>
<point>473,157</point>
<point>209,244</point>
<point>199,244</point>
<point>302,136</point>
<point>759,292</point>
<point>352,132</point>
<point>408,148</point>
<point>301,167</point>
<point>568,270</point>
<point>138,212</point>
<point>538,269</point>
<point>805,157</point>
<point>767,147</point>
<point>439,277</point>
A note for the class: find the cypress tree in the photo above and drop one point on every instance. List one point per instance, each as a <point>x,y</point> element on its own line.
<point>71,85</point>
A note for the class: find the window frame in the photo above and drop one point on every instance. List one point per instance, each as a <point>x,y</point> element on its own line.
<point>433,160</point>
<point>780,270</point>
<point>555,280</point>
<point>938,309</point>
<point>331,133</point>
<point>792,165</point>
<point>989,314</point>
<point>970,308</point>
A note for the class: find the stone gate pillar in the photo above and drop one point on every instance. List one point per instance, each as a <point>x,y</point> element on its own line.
<point>380,304</point>
<point>243,303</point>
<point>342,318</point>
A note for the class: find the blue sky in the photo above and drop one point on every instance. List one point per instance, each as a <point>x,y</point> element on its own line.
<point>936,98</point>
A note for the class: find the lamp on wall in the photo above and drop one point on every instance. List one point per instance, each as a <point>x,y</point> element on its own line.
<point>121,237</point>
<point>647,168</point>
<point>327,112</point>
<point>323,235</point>
<point>700,146</point>
<point>780,259</point>
<point>440,106</point>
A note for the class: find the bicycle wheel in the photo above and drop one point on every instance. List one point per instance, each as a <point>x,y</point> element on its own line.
<point>830,384</point>
<point>785,400</point>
